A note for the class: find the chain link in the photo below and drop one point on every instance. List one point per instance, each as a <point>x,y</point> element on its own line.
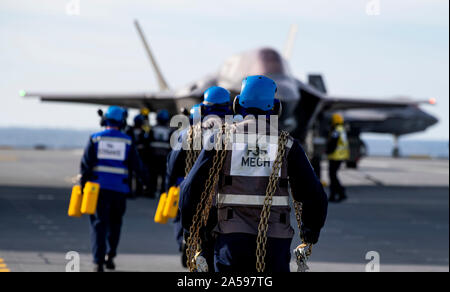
<point>261,240</point>
<point>191,153</point>
<point>298,215</point>
<point>203,208</point>
<point>202,211</point>
<point>223,154</point>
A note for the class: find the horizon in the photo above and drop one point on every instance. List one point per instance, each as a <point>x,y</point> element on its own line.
<point>99,50</point>
<point>371,136</point>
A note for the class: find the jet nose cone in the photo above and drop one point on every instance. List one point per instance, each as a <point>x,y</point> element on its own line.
<point>427,119</point>
<point>288,94</point>
<point>286,89</point>
<point>432,120</point>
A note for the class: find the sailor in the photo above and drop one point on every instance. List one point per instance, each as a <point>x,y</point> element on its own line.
<point>108,160</point>
<point>338,151</point>
<point>216,105</point>
<point>140,139</point>
<point>159,141</point>
<point>242,191</point>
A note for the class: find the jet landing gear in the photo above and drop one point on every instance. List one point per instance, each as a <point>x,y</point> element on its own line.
<point>396,149</point>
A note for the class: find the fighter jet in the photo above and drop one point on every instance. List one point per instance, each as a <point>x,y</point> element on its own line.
<point>306,106</point>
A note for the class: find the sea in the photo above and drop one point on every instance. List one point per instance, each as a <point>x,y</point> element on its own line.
<point>29,138</point>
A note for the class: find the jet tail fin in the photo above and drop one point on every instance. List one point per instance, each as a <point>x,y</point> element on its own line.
<point>316,81</point>
<point>287,53</point>
<point>159,77</point>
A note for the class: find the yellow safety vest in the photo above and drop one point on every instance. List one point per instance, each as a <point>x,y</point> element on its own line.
<point>342,151</point>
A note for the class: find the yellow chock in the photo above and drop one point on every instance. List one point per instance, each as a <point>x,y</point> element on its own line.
<point>171,205</point>
<point>75,202</point>
<point>90,198</point>
<point>159,216</point>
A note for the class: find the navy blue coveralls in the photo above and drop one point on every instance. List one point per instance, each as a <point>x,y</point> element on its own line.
<point>108,159</point>
<point>159,142</point>
<point>140,140</point>
<point>230,252</point>
<point>176,163</point>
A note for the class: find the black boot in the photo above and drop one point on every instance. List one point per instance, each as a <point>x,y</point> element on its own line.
<point>98,268</point>
<point>342,197</point>
<point>184,255</point>
<point>109,263</point>
<point>332,199</point>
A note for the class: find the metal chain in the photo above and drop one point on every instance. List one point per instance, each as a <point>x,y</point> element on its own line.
<point>193,242</point>
<point>201,216</point>
<point>261,240</point>
<point>223,154</point>
<point>298,215</point>
<point>191,154</point>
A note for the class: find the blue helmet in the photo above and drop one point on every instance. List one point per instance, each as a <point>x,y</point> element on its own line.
<point>163,116</point>
<point>115,116</point>
<point>257,92</point>
<point>139,120</point>
<point>216,95</point>
<point>216,102</point>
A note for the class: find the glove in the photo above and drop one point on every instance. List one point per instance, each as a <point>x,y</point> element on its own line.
<point>310,236</point>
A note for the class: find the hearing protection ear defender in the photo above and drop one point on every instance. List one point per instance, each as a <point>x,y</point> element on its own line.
<point>277,107</point>
<point>102,118</point>
<point>124,119</point>
<point>236,105</point>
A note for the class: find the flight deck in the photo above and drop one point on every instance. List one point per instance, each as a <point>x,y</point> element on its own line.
<point>398,208</point>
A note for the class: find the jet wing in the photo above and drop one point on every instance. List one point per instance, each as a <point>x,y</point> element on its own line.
<point>315,102</point>
<point>316,88</point>
<point>154,101</point>
<point>345,103</point>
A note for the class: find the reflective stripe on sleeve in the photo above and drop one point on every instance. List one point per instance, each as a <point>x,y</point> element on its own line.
<point>160,145</point>
<point>249,200</point>
<point>109,169</point>
<point>112,139</point>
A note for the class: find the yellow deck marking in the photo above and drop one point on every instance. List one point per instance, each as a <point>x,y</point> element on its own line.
<point>3,267</point>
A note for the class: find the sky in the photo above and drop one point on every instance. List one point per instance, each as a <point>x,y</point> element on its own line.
<point>373,48</point>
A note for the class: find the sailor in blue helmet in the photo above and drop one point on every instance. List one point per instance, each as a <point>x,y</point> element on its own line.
<point>108,160</point>
<point>216,105</point>
<point>159,142</point>
<point>140,139</point>
<point>242,191</point>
